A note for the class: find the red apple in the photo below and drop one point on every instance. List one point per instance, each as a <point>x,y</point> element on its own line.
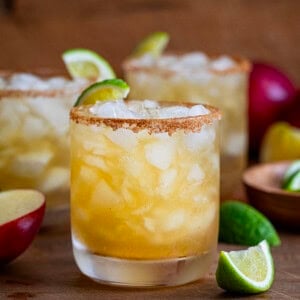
<point>270,92</point>
<point>21,215</point>
<point>292,113</point>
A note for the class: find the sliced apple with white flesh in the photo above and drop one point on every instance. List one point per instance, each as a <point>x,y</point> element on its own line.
<point>21,215</point>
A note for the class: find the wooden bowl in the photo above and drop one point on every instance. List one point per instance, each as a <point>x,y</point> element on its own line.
<point>263,187</point>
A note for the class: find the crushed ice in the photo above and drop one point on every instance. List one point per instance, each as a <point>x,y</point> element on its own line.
<point>146,109</point>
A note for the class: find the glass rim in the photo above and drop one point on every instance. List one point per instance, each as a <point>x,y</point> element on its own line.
<point>44,73</point>
<point>81,115</point>
<point>242,65</point>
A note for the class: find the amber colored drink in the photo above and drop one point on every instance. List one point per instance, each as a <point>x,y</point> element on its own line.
<point>144,195</point>
<point>34,138</point>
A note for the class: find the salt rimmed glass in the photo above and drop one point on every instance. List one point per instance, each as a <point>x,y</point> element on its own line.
<point>34,138</point>
<point>221,81</point>
<point>144,197</point>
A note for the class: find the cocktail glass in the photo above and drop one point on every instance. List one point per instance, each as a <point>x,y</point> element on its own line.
<point>144,193</point>
<point>219,81</point>
<point>34,140</point>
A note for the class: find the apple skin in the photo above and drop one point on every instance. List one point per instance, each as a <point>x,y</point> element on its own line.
<point>270,92</point>
<point>17,235</point>
<point>292,113</point>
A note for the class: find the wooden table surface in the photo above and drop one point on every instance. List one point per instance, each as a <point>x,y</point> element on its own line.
<point>34,33</point>
<point>47,270</point>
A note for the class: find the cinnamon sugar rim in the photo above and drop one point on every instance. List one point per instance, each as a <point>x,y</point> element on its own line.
<point>81,115</point>
<point>33,93</point>
<point>241,65</point>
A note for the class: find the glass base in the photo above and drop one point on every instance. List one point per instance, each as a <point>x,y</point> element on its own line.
<point>141,273</point>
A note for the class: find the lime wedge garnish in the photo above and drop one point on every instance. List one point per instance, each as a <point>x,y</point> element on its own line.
<point>290,173</point>
<point>154,44</point>
<point>293,184</point>
<point>242,224</point>
<point>247,271</point>
<point>109,89</point>
<point>84,63</point>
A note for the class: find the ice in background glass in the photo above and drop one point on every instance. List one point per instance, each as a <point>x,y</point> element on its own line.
<point>219,81</point>
<point>144,191</point>
<point>34,141</point>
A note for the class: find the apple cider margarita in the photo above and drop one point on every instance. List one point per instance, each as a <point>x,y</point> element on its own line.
<point>144,191</point>
<point>219,81</point>
<point>34,142</point>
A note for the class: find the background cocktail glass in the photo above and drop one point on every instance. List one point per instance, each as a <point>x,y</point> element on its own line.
<point>219,81</point>
<point>144,196</point>
<point>34,139</point>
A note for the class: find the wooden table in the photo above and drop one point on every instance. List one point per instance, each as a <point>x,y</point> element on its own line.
<point>47,270</point>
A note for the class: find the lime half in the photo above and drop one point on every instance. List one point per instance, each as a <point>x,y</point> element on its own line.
<point>84,63</point>
<point>109,89</point>
<point>247,271</point>
<point>242,224</point>
<point>281,142</point>
<point>289,178</point>
<point>154,44</point>
<point>293,184</point>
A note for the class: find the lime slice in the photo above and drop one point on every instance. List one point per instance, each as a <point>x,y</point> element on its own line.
<point>109,89</point>
<point>293,184</point>
<point>242,224</point>
<point>290,172</point>
<point>281,142</point>
<point>153,44</point>
<point>247,271</point>
<point>84,63</point>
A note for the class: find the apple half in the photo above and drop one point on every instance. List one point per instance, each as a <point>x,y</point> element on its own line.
<point>21,215</point>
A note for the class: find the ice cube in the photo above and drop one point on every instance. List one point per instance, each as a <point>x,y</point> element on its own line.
<point>95,161</point>
<point>194,59</point>
<point>235,144</point>
<point>112,109</point>
<point>124,138</point>
<point>149,224</point>
<point>167,179</point>
<point>56,178</point>
<point>222,63</point>
<point>174,220</point>
<point>31,164</point>
<point>25,81</point>
<point>53,111</point>
<point>160,154</point>
<point>203,220</point>
<point>196,174</point>
<point>173,112</point>
<point>88,174</point>
<point>104,195</point>
<point>196,141</point>
<point>34,128</point>
<point>198,110</point>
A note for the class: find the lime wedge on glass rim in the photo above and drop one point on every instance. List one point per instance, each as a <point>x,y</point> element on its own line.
<point>154,44</point>
<point>247,271</point>
<point>242,224</point>
<point>109,89</point>
<point>84,63</point>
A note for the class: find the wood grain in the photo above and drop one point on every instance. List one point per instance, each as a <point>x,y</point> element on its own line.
<point>47,271</point>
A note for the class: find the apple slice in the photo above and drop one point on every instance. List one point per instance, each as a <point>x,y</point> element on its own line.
<point>21,215</point>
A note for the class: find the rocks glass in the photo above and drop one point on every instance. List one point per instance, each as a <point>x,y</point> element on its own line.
<point>195,77</point>
<point>144,191</point>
